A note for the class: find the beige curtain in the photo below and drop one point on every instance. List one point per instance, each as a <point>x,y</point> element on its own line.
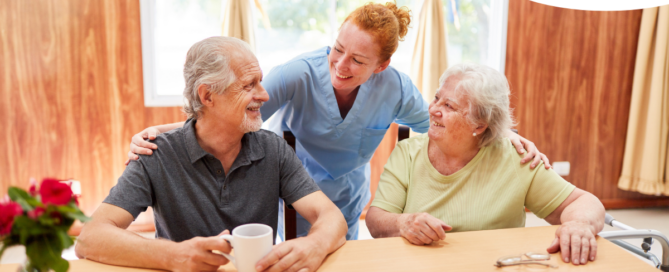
<point>238,20</point>
<point>429,55</point>
<point>645,162</point>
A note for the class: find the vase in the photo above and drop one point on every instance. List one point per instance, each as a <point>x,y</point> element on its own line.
<point>28,267</point>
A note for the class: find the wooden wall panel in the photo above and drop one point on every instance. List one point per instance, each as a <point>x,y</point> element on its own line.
<point>71,92</point>
<point>571,74</point>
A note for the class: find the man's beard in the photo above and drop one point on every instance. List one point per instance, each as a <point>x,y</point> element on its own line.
<point>251,124</point>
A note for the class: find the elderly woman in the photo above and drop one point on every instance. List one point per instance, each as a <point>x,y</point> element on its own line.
<point>464,175</point>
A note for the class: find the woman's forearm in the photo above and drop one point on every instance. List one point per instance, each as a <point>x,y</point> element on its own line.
<point>167,127</point>
<point>382,223</point>
<point>586,208</point>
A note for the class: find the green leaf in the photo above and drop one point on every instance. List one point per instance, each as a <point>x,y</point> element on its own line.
<point>17,193</point>
<point>78,215</point>
<point>21,197</point>
<point>65,240</point>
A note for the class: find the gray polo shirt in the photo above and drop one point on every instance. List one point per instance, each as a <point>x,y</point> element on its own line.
<point>192,196</point>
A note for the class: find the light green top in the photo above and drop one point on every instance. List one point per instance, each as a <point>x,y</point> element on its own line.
<point>490,192</point>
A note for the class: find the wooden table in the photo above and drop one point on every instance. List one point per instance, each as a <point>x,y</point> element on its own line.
<point>465,251</point>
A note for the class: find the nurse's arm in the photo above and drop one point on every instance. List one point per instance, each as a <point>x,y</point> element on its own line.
<point>327,234</point>
<point>582,217</point>
<point>417,228</point>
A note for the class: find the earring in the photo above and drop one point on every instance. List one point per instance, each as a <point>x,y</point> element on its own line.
<point>474,134</point>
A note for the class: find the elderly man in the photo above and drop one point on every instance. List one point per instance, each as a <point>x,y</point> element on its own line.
<point>216,172</point>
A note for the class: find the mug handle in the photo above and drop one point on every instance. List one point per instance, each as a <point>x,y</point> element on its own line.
<point>230,239</point>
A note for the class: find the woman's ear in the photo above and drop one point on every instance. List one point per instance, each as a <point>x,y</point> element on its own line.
<point>382,67</point>
<point>204,94</point>
<point>480,129</point>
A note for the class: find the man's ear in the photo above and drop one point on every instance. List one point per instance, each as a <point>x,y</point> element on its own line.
<point>204,94</point>
<point>382,67</point>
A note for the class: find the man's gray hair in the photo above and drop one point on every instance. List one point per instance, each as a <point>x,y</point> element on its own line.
<point>487,92</point>
<point>208,62</point>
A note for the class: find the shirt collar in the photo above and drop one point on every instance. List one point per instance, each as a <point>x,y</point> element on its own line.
<point>251,149</point>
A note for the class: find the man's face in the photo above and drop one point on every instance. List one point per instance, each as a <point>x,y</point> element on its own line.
<point>239,106</point>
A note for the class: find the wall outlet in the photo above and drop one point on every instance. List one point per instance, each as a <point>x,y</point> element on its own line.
<point>562,168</point>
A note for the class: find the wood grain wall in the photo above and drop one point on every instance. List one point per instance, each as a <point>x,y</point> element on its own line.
<point>71,92</point>
<point>571,74</point>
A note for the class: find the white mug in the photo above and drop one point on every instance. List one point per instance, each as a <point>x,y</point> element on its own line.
<point>251,243</point>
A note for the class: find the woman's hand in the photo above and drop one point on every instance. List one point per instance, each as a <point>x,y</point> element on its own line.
<point>422,228</point>
<point>576,240</point>
<point>533,153</point>
<point>139,145</point>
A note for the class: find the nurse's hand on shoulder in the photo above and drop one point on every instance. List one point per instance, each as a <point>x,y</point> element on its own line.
<point>524,145</point>
<point>301,254</point>
<point>140,145</point>
<point>422,228</point>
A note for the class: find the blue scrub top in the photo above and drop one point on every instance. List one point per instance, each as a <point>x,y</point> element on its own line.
<point>335,151</point>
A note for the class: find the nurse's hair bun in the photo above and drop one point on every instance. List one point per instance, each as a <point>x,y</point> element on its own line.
<point>388,24</point>
<point>403,15</point>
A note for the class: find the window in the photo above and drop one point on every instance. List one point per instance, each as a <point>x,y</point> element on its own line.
<point>476,33</point>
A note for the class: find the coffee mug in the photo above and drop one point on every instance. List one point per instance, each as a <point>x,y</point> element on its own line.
<point>251,243</point>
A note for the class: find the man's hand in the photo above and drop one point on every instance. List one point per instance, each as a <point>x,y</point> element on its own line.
<point>196,254</point>
<point>576,240</point>
<point>301,254</point>
<point>139,145</point>
<point>533,153</point>
<point>422,228</point>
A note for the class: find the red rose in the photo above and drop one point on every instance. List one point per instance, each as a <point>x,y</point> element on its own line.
<point>36,213</point>
<point>8,211</point>
<point>54,192</point>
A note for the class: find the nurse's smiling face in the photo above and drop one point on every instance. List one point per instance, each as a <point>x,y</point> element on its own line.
<point>354,58</point>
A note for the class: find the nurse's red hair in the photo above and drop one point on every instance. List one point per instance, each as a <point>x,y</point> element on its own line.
<point>387,23</point>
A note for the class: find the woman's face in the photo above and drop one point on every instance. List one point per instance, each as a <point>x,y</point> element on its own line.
<point>448,116</point>
<point>353,58</point>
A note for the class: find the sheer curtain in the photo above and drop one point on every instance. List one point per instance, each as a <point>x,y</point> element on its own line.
<point>430,54</point>
<point>645,160</point>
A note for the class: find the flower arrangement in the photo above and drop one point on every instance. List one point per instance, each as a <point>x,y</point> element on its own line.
<point>39,220</point>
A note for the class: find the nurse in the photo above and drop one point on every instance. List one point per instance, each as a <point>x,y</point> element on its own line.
<point>338,102</point>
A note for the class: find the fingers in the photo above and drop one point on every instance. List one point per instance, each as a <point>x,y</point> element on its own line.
<point>446,227</point>
<point>564,247</point>
<point>131,156</point>
<point>215,260</point>
<point>555,245</point>
<point>593,248</point>
<point>287,263</point>
<point>224,232</point>
<point>547,163</point>
<point>127,161</point>
<point>215,243</point>
<point>433,231</point>
<point>437,227</point>
<point>519,146</point>
<point>152,134</point>
<point>135,149</point>
<point>575,249</point>
<point>585,250</point>
<point>140,140</point>
<point>277,253</point>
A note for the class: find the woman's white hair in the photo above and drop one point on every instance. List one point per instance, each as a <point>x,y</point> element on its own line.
<point>487,92</point>
<point>208,62</point>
